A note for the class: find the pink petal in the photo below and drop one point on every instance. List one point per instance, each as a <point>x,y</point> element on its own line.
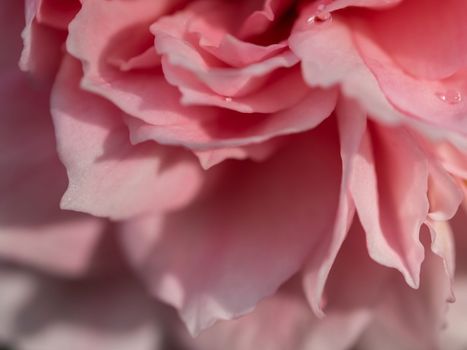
<point>377,4</point>
<point>453,336</point>
<point>42,45</point>
<point>40,312</point>
<point>286,84</point>
<point>186,65</point>
<point>33,229</point>
<point>418,37</point>
<point>259,21</point>
<point>256,152</point>
<point>217,128</point>
<point>329,57</point>
<point>452,158</point>
<point>296,328</point>
<point>352,124</point>
<point>442,244</point>
<point>108,176</point>
<point>133,93</point>
<point>411,319</point>
<point>389,187</point>
<point>243,232</point>
<point>444,193</point>
<point>435,102</point>
<point>57,13</point>
<point>262,329</point>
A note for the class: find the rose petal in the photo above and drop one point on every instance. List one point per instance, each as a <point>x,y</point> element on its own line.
<point>242,233</point>
<point>108,176</point>
<point>33,229</point>
<point>352,124</point>
<point>389,187</point>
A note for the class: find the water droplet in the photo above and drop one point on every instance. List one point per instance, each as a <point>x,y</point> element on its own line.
<point>451,97</point>
<point>321,16</point>
<point>228,99</point>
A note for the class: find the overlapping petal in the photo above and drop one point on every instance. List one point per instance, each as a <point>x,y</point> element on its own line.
<point>248,238</point>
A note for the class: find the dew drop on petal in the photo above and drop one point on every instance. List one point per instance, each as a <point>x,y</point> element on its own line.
<point>451,97</point>
<point>228,99</point>
<point>321,16</point>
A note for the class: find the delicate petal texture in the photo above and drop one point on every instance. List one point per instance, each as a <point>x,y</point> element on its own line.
<point>407,318</point>
<point>454,336</point>
<point>351,128</point>
<point>238,235</point>
<point>93,145</point>
<point>328,57</point>
<point>209,131</point>
<point>42,44</point>
<point>420,47</point>
<point>423,100</point>
<point>389,188</point>
<point>32,227</point>
<point>286,172</point>
<point>444,193</point>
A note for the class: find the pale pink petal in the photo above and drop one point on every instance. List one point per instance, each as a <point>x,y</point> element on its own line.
<point>33,229</point>
<point>263,328</point>
<point>108,176</point>
<point>329,57</point>
<point>144,94</point>
<point>188,67</point>
<point>348,305</point>
<point>444,193</point>
<point>418,37</point>
<point>410,319</point>
<point>435,102</point>
<point>452,158</point>
<point>377,4</point>
<point>389,187</point>
<point>146,60</point>
<point>244,234</point>
<point>284,321</point>
<point>283,90</point>
<point>256,152</point>
<point>104,309</point>
<point>238,53</point>
<point>229,81</point>
<point>42,44</point>
<point>442,244</point>
<point>15,291</point>
<point>259,21</point>
<point>218,128</point>
<point>351,123</point>
<point>453,335</point>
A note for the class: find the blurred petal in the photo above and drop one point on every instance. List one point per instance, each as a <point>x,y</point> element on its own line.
<point>240,241</point>
<point>33,229</point>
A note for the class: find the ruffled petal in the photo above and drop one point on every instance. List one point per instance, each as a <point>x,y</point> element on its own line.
<point>352,124</point>
<point>389,187</point>
<point>107,175</point>
<point>246,236</point>
<point>33,229</point>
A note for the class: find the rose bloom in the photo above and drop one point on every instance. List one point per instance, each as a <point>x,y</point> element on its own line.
<point>239,175</point>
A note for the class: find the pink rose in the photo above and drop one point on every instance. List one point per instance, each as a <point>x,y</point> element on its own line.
<point>273,165</point>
